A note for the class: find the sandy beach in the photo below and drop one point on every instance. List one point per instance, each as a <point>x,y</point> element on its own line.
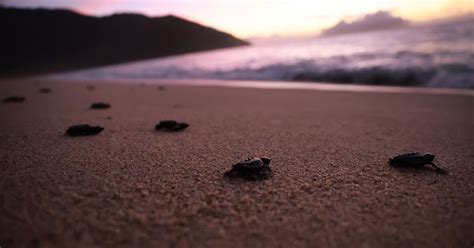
<point>131,186</point>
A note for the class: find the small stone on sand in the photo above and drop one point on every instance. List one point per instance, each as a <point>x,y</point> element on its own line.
<point>100,105</point>
<point>250,169</point>
<point>14,99</point>
<point>83,130</point>
<point>171,126</point>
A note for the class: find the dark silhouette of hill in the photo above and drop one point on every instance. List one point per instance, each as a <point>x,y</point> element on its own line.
<point>42,41</point>
<point>376,21</point>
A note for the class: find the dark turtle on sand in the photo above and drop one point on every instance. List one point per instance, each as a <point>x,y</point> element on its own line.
<point>415,160</point>
<point>250,169</point>
<point>171,126</point>
<point>14,99</point>
<point>45,90</point>
<point>100,105</point>
<point>83,130</point>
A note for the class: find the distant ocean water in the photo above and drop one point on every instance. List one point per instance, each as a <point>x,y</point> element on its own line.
<point>426,56</point>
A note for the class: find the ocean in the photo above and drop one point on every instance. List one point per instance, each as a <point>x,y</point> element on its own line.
<point>431,55</point>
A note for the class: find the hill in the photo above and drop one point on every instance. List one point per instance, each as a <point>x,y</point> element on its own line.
<point>42,41</point>
<point>371,22</point>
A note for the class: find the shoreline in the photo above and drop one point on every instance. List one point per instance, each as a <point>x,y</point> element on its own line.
<point>292,85</point>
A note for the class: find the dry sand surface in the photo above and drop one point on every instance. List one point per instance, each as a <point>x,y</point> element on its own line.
<point>130,186</point>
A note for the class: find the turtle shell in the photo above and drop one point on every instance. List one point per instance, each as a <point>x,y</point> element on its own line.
<point>171,126</point>
<point>45,90</point>
<point>415,159</point>
<point>14,99</point>
<point>100,105</point>
<point>166,124</point>
<point>251,169</point>
<point>83,130</point>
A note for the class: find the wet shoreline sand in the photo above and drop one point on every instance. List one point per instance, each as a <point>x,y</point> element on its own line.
<point>331,184</point>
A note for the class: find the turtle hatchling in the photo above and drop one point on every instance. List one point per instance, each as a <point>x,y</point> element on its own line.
<point>250,169</point>
<point>171,126</point>
<point>45,90</point>
<point>83,130</point>
<point>14,99</point>
<point>415,160</point>
<point>100,105</point>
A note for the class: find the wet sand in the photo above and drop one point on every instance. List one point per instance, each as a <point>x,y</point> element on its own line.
<point>130,186</point>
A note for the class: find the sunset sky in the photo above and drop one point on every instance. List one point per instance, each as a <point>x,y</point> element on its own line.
<point>251,18</point>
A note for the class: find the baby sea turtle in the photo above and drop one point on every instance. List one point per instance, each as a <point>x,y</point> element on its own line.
<point>83,130</point>
<point>171,126</point>
<point>45,90</point>
<point>14,99</point>
<point>415,160</point>
<point>250,169</point>
<point>100,105</point>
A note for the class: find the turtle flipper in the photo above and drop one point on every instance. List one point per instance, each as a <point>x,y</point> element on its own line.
<point>439,169</point>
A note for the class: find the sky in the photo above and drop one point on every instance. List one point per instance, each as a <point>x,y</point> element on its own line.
<point>260,18</point>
